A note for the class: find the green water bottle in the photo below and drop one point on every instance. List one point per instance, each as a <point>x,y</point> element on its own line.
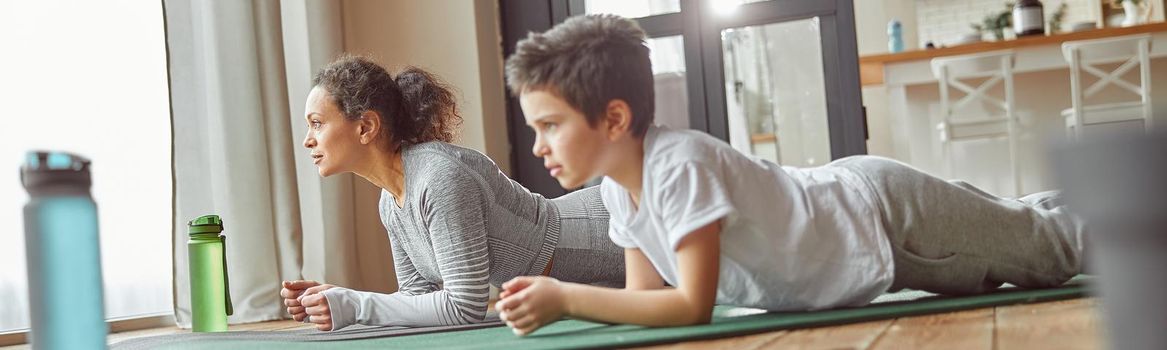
<point>210,294</point>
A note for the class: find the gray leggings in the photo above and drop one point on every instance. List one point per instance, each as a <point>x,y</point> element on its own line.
<point>952,238</point>
<point>584,253</point>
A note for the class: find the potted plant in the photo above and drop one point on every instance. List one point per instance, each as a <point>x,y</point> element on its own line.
<point>997,22</point>
<point>1055,21</point>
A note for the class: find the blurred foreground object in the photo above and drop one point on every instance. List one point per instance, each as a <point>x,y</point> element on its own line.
<point>63,252</point>
<point>1119,186</point>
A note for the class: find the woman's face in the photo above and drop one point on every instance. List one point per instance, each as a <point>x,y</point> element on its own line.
<point>333,140</point>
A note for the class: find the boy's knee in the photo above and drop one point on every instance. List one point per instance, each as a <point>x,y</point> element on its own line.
<point>956,274</point>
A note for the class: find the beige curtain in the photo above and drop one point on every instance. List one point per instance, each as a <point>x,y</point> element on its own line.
<point>239,73</point>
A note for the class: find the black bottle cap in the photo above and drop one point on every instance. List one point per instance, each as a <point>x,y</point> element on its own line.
<point>46,172</point>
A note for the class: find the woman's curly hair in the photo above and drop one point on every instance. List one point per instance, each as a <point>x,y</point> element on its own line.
<point>415,106</point>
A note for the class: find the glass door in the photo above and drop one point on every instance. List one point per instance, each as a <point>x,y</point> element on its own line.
<point>782,79</point>
<point>774,92</point>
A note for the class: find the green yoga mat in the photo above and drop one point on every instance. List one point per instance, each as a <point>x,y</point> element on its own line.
<point>727,322</point>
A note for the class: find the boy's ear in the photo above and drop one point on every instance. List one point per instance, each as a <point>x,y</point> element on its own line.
<point>617,118</point>
<point>369,127</point>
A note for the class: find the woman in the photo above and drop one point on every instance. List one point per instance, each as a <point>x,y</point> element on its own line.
<point>456,223</point>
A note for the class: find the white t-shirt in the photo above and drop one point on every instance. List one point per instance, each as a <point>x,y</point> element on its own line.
<point>791,239</point>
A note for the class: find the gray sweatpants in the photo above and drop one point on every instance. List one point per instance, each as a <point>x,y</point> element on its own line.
<point>952,238</point>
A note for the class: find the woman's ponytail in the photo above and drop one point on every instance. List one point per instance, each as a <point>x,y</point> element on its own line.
<point>434,108</point>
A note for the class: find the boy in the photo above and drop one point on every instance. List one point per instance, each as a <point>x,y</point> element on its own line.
<point>723,227</point>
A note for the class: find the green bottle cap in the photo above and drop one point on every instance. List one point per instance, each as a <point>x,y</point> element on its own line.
<point>206,224</point>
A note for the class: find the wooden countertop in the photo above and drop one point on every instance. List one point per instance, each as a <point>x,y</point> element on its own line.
<point>871,67</point>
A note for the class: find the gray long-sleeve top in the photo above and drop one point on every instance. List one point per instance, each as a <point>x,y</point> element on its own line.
<point>465,226</point>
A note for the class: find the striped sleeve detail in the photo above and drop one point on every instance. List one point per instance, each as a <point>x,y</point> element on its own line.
<point>409,280</point>
<point>457,231</point>
<point>457,226</point>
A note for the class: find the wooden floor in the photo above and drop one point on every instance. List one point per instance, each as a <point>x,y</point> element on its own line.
<point>1070,324</point>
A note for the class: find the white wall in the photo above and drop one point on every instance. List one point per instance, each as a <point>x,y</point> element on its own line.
<point>455,39</point>
<point>340,204</point>
<point>871,18</point>
<point>944,21</point>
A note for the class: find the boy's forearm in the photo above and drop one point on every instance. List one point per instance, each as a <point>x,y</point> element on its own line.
<point>659,307</point>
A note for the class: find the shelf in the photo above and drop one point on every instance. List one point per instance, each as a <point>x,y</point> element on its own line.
<point>871,67</point>
<point>763,138</point>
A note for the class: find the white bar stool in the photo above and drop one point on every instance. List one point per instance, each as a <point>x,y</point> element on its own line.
<point>1084,56</point>
<point>998,68</point>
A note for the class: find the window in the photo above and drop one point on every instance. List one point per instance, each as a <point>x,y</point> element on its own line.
<point>774,89</point>
<point>775,79</point>
<point>668,71</point>
<point>632,9</point>
<point>91,78</point>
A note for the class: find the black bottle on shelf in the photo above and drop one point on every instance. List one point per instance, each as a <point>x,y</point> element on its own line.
<point>1028,18</point>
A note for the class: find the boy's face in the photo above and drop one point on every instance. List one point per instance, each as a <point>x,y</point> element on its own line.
<point>572,150</point>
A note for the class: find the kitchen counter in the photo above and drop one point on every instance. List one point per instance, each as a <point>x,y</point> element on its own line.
<point>901,94</point>
<point>875,69</point>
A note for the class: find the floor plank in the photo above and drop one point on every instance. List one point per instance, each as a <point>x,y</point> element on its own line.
<point>1069,324</point>
<point>290,325</point>
<point>120,336</point>
<point>753,341</point>
<point>268,326</point>
<point>851,336</point>
<point>255,326</point>
<point>972,329</point>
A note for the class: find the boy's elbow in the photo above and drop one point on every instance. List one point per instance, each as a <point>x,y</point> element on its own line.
<point>703,317</point>
<point>698,315</point>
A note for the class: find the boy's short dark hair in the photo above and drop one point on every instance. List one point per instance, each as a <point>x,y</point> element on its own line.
<point>588,61</point>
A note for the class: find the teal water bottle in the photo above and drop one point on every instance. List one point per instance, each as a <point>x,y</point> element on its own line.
<point>63,252</point>
<point>895,36</point>
<point>210,294</point>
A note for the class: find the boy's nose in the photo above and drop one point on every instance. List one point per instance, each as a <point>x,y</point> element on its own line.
<point>539,149</point>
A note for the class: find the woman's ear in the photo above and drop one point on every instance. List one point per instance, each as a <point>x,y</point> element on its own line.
<point>369,127</point>
<point>617,119</point>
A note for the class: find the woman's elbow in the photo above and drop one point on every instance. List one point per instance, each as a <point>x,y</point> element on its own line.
<point>469,316</point>
<point>463,320</point>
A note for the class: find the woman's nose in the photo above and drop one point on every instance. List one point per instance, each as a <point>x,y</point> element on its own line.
<point>309,142</point>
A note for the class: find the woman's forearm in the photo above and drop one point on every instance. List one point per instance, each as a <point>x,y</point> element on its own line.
<point>659,307</point>
<point>375,309</point>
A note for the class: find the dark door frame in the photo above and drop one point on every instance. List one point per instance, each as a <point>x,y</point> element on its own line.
<point>518,17</point>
